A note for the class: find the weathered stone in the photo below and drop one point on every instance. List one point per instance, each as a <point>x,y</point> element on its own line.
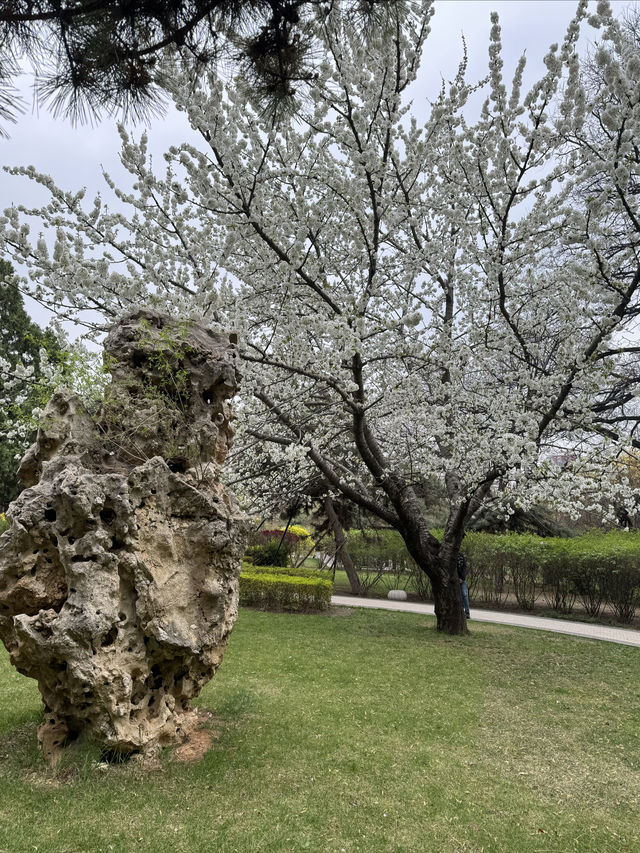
<point>119,573</point>
<point>397,595</point>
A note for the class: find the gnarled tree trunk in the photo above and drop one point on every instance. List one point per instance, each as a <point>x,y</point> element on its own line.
<point>449,609</point>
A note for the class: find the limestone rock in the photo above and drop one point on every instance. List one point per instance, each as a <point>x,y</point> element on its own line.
<point>119,573</point>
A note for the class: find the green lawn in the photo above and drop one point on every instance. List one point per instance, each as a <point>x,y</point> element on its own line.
<point>359,730</point>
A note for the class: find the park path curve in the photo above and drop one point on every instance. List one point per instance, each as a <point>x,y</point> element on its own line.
<point>626,636</point>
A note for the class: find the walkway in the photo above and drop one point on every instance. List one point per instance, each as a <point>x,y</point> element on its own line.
<point>561,626</point>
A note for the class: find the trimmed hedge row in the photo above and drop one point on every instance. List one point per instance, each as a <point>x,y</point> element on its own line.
<point>286,570</point>
<point>596,569</point>
<point>280,591</point>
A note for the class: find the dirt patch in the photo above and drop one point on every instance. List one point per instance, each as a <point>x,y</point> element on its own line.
<point>194,748</point>
<point>199,735</point>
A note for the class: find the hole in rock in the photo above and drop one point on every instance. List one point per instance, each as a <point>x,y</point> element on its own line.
<point>50,514</point>
<point>208,397</point>
<point>77,559</point>
<point>115,756</point>
<point>137,696</point>
<point>122,617</point>
<point>33,570</point>
<point>71,540</point>
<point>178,465</point>
<point>156,677</point>
<point>139,358</point>
<point>110,638</point>
<point>107,515</point>
<point>116,544</point>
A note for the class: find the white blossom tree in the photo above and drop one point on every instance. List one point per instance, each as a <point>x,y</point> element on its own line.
<point>415,297</point>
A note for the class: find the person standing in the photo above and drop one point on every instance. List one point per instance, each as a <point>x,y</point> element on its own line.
<point>462,577</point>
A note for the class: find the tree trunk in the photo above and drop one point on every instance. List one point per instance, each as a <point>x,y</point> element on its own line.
<point>449,608</point>
<point>341,546</point>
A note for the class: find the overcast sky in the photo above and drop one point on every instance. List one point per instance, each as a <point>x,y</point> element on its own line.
<point>73,155</point>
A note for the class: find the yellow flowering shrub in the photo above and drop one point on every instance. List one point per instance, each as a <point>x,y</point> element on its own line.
<point>304,544</point>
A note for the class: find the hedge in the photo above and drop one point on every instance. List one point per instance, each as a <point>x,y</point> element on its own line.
<point>291,571</point>
<point>284,592</point>
<point>597,569</point>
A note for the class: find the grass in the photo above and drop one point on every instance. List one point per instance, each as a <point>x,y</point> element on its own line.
<point>359,731</point>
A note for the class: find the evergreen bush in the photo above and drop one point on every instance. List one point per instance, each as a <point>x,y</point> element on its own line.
<point>291,571</point>
<point>278,591</point>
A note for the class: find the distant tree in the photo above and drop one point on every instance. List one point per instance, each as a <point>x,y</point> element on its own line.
<point>20,342</point>
<point>92,56</point>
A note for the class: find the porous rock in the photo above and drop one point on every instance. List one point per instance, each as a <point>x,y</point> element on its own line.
<point>119,573</point>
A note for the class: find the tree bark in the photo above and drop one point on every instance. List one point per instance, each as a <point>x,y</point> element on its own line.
<point>341,546</point>
<point>439,561</point>
<point>449,610</point>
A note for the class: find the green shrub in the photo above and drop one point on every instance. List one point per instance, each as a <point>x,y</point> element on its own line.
<point>380,553</point>
<point>618,572</point>
<point>291,571</point>
<point>588,573</point>
<point>4,524</point>
<point>486,571</point>
<point>268,554</point>
<point>623,591</point>
<point>271,547</point>
<point>522,555</point>
<point>284,592</point>
<point>558,587</point>
<point>421,584</point>
<point>598,568</point>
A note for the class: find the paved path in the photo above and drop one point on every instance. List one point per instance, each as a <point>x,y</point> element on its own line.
<point>562,626</point>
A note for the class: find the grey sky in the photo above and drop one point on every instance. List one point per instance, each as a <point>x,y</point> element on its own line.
<point>73,156</point>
